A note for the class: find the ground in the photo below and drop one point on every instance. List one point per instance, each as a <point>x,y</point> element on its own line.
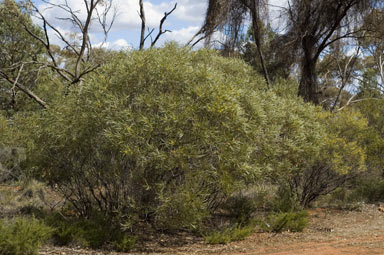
<point>331,232</point>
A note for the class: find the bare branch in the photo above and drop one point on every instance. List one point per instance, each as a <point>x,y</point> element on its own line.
<point>161,32</point>
<point>82,51</point>
<point>24,89</point>
<point>102,18</point>
<point>13,91</point>
<point>143,26</point>
<point>350,101</point>
<point>345,74</point>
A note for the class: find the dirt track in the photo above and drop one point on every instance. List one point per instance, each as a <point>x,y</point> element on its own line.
<point>331,232</point>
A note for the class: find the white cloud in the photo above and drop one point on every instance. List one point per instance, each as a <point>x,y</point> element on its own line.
<point>119,44</point>
<point>183,35</point>
<point>191,10</point>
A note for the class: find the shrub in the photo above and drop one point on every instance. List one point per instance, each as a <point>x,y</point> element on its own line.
<point>22,236</point>
<point>96,232</point>
<point>10,155</point>
<point>169,132</point>
<point>285,201</point>
<point>292,221</point>
<point>228,235</point>
<point>369,189</point>
<point>240,208</point>
<point>341,157</point>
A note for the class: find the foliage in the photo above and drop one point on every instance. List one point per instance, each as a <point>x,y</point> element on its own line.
<point>10,154</point>
<point>366,188</point>
<point>96,232</point>
<point>341,157</point>
<point>4,130</point>
<point>22,236</point>
<point>240,208</point>
<point>278,58</point>
<point>231,234</point>
<point>292,221</point>
<point>285,200</point>
<point>369,189</point>
<point>373,111</point>
<point>17,54</point>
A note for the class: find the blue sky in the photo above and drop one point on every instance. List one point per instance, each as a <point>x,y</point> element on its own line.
<point>184,22</point>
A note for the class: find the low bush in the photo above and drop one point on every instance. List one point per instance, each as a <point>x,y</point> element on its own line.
<point>285,200</point>
<point>292,221</point>
<point>96,232</point>
<point>369,189</point>
<point>22,236</point>
<point>231,234</point>
<point>365,189</point>
<point>240,208</point>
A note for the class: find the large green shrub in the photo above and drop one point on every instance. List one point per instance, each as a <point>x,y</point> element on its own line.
<point>169,133</point>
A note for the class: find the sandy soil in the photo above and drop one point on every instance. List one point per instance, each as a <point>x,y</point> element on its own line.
<point>331,232</point>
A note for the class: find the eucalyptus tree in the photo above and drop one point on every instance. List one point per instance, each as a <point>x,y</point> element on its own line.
<point>229,16</point>
<point>314,25</point>
<point>311,27</point>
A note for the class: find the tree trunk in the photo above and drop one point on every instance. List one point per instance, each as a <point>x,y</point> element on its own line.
<point>308,88</point>
<point>256,36</point>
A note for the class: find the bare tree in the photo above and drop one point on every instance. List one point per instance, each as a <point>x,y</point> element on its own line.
<point>95,10</point>
<point>144,37</point>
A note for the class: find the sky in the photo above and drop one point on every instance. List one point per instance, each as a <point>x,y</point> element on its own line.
<point>184,22</point>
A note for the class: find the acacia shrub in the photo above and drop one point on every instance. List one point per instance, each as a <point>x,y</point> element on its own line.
<point>341,157</point>
<point>167,135</point>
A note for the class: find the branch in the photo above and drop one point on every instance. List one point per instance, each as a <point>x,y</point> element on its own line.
<point>345,75</point>
<point>102,18</point>
<point>28,92</point>
<point>48,48</point>
<point>193,38</point>
<point>166,14</point>
<point>356,101</point>
<point>83,51</point>
<point>336,23</point>
<point>16,81</point>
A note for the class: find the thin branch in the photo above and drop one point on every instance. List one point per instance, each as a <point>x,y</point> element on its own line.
<point>161,32</point>
<point>13,91</point>
<point>102,18</point>
<point>356,101</point>
<point>28,92</point>
<point>345,75</point>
